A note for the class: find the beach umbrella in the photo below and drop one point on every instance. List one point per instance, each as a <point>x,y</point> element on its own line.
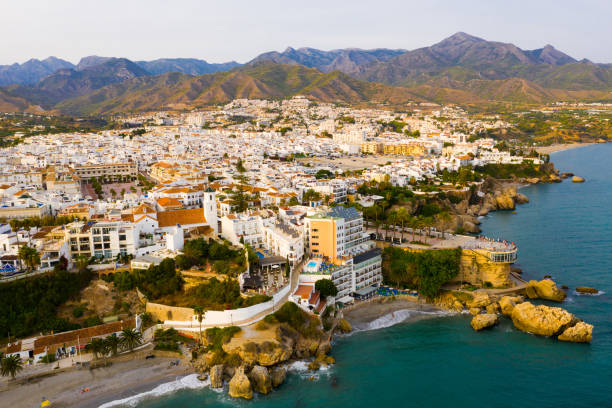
<point>45,402</point>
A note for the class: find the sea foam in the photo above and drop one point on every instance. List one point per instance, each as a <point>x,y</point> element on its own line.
<point>400,316</point>
<point>184,383</point>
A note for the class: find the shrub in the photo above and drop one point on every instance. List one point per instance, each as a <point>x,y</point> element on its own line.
<point>217,337</point>
<point>48,358</point>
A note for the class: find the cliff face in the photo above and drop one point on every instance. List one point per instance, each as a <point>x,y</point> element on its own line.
<point>476,268</point>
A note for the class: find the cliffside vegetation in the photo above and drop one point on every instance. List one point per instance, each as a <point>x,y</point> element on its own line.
<point>425,271</point>
<point>30,305</point>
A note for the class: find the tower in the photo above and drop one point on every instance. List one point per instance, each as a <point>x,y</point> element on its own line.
<point>210,209</point>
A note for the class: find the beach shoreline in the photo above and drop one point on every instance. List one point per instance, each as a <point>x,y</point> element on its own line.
<point>384,312</point>
<point>555,148</point>
<point>118,381</point>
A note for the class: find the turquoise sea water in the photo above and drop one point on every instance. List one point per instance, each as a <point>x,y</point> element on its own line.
<point>565,231</point>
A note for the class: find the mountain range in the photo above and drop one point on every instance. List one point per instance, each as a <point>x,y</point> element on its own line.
<point>460,69</point>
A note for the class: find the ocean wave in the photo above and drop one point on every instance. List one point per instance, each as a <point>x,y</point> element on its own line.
<point>400,316</point>
<point>601,292</point>
<point>189,382</point>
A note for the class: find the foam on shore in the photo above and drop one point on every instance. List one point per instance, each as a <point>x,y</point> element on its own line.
<point>399,316</point>
<point>189,382</point>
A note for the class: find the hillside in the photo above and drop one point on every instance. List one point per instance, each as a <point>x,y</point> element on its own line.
<point>32,71</point>
<point>189,66</point>
<point>262,80</point>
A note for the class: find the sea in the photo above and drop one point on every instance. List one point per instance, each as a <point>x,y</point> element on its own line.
<point>564,231</point>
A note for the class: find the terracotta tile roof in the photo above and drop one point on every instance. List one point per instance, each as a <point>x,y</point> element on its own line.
<point>315,298</point>
<point>304,291</point>
<point>169,203</point>
<point>183,217</point>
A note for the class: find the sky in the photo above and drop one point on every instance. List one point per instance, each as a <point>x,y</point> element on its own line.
<point>225,30</point>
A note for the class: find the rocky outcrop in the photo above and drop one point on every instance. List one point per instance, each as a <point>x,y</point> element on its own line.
<point>483,321</point>
<point>448,301</point>
<point>265,353</point>
<point>521,198</point>
<point>278,375</point>
<point>240,386</point>
<point>260,380</point>
<point>545,289</point>
<point>504,202</point>
<point>480,300</point>
<point>577,179</point>
<point>216,376</point>
<point>474,311</point>
<point>542,320</point>
<point>507,303</point>
<point>344,326</point>
<point>587,290</point>
<point>493,308</point>
<point>580,333</point>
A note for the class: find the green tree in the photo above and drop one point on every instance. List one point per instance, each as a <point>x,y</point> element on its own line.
<point>10,366</point>
<point>131,338</point>
<point>97,346</point>
<point>113,342</point>
<point>326,287</point>
<point>29,256</point>
<point>199,312</point>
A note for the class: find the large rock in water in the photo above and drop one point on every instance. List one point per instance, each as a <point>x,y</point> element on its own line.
<point>240,386</point>
<point>482,321</point>
<point>586,289</point>
<point>542,320</point>
<point>267,353</point>
<point>216,376</point>
<point>577,179</point>
<point>507,303</point>
<point>521,198</point>
<point>278,376</point>
<point>260,379</point>
<point>545,289</point>
<point>580,333</point>
<point>504,202</point>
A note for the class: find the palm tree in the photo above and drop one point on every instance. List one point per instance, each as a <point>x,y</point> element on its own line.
<point>29,256</point>
<point>199,311</point>
<point>11,365</point>
<point>393,220</point>
<point>402,216</point>
<point>96,346</point>
<point>113,342</point>
<point>130,338</point>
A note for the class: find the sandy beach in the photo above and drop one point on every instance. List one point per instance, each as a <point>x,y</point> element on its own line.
<point>385,312</point>
<point>559,147</point>
<point>120,380</point>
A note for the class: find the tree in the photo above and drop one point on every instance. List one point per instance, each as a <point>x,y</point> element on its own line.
<point>113,342</point>
<point>97,347</point>
<point>240,166</point>
<point>199,312</point>
<point>131,338</point>
<point>311,195</point>
<point>403,216</point>
<point>326,287</point>
<point>29,256</point>
<point>287,268</point>
<point>10,366</point>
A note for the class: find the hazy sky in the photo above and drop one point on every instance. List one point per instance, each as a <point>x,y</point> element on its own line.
<point>223,30</point>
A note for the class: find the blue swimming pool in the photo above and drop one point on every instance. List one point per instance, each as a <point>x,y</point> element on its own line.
<point>312,264</point>
<point>260,255</point>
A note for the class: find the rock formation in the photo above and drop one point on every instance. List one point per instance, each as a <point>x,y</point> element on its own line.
<point>266,353</point>
<point>580,333</point>
<point>240,386</point>
<point>507,304</point>
<point>577,179</point>
<point>482,321</point>
<point>542,320</point>
<point>480,300</point>
<point>278,376</point>
<point>586,289</point>
<point>545,289</point>
<point>260,379</point>
<point>216,376</point>
<point>344,326</point>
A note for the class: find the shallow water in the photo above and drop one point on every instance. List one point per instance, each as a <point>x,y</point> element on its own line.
<point>565,231</point>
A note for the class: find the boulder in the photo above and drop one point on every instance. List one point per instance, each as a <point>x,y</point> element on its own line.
<point>521,199</point>
<point>586,289</point>
<point>481,299</point>
<point>482,321</point>
<point>261,380</point>
<point>577,179</point>
<point>545,289</point>
<point>344,326</point>
<point>471,227</point>
<point>240,386</point>
<point>542,320</point>
<point>216,376</point>
<point>278,376</point>
<point>507,304</point>
<point>475,311</point>
<point>493,308</point>
<point>580,333</point>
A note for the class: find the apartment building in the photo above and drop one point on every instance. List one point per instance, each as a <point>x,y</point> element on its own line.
<point>112,171</point>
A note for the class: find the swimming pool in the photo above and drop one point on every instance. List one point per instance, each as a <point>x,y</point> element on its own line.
<point>312,264</point>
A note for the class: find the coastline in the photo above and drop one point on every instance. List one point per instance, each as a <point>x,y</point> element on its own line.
<point>385,312</point>
<point>561,147</point>
<point>120,380</point>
